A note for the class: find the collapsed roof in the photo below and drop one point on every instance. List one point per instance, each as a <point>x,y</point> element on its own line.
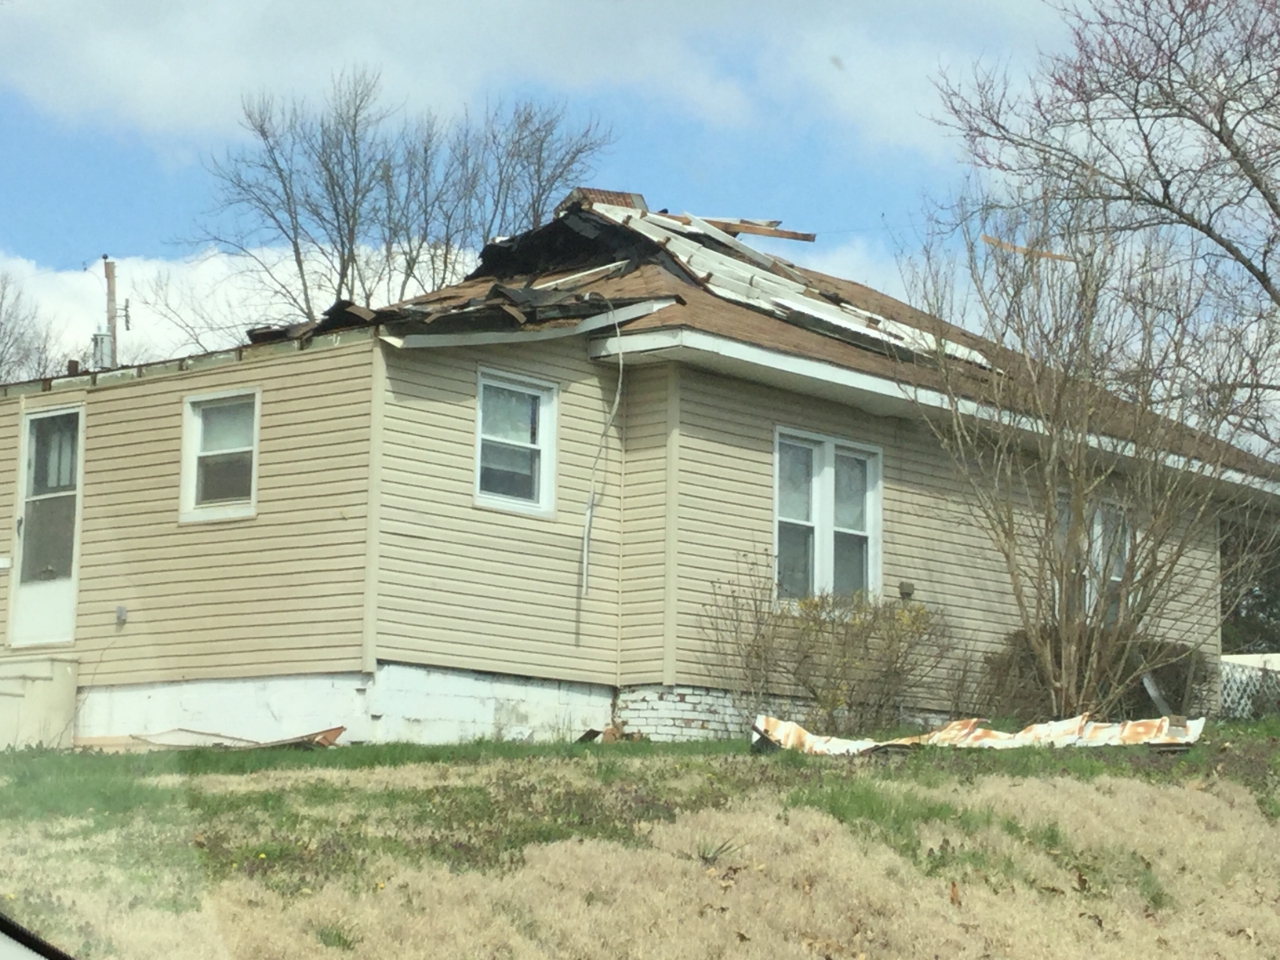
<point>608,265</point>
<point>606,257</point>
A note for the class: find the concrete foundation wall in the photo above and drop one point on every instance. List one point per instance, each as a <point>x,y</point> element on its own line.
<point>399,703</point>
<point>37,702</point>
<point>408,703</point>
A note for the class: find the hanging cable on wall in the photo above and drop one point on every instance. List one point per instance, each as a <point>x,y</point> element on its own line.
<point>595,462</point>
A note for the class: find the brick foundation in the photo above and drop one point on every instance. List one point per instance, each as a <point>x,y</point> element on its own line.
<point>691,713</point>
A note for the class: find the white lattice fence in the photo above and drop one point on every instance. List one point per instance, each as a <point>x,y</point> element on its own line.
<point>1249,689</point>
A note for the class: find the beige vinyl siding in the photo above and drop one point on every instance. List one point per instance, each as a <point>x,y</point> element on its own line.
<point>644,526</point>
<point>472,587</point>
<point>1194,619</point>
<point>10,421</point>
<point>726,507</point>
<point>1189,614</point>
<point>281,592</point>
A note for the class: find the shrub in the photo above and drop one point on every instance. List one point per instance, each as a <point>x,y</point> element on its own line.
<point>860,660</point>
<point>849,665</point>
<point>1016,686</point>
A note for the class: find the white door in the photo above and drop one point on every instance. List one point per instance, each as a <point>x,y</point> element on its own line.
<point>44,576</point>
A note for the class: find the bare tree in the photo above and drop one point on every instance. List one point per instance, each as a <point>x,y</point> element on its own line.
<point>1097,447</point>
<point>209,316</point>
<point>352,200</point>
<point>1164,113</point>
<point>1161,117</point>
<point>28,345</point>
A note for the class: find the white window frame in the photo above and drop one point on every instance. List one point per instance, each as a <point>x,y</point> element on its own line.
<point>1104,578</point>
<point>189,511</point>
<point>548,408</point>
<point>1099,577</point>
<point>824,505</point>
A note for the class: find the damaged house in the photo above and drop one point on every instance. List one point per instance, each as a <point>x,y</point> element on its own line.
<point>497,510</point>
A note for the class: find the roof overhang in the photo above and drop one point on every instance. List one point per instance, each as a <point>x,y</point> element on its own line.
<point>735,358</point>
<point>604,319</point>
<point>880,396</point>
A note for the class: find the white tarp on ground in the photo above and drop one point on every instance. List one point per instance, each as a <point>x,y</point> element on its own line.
<point>1076,732</point>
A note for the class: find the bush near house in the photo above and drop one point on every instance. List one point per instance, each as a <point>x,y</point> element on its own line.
<point>843,665</point>
<point>1013,685</point>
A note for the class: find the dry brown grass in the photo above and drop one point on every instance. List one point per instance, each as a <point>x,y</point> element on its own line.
<point>797,883</point>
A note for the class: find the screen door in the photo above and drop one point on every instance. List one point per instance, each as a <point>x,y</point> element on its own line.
<point>44,581</point>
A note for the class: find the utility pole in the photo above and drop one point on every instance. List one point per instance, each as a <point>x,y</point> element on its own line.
<point>110,268</point>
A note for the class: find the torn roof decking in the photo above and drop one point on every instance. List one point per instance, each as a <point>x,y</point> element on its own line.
<point>615,255</point>
<point>607,256</point>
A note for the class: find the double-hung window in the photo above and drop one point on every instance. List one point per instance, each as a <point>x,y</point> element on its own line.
<point>515,439</point>
<point>828,516</point>
<point>1097,561</point>
<point>1111,555</point>
<point>219,461</point>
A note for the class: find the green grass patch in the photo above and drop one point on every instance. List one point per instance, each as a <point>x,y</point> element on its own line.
<point>45,784</point>
<point>298,837</point>
<point>892,815</point>
<point>337,936</point>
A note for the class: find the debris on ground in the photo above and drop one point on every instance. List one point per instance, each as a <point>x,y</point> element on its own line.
<point>1164,732</point>
<point>181,738</point>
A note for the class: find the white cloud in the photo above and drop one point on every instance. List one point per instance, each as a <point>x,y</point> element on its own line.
<point>171,68</point>
<point>74,302</point>
<point>875,70</point>
<point>182,68</point>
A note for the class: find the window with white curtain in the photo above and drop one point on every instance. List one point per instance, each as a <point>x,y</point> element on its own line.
<point>515,439</point>
<point>827,516</point>
<point>220,455</point>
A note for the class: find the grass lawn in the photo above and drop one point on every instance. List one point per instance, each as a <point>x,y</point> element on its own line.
<point>642,850</point>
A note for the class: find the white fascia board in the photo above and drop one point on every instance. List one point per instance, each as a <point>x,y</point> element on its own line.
<point>712,345</point>
<point>890,393</point>
<point>609,318</point>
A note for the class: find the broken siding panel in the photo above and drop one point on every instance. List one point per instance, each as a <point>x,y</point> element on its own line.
<point>929,535</point>
<point>644,527</point>
<point>484,589</point>
<point>278,593</point>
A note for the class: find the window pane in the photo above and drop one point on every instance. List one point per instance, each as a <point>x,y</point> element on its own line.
<point>795,560</point>
<point>850,573</point>
<point>226,426</point>
<point>795,481</point>
<point>1115,543</point>
<point>1111,611</point>
<point>509,415</point>
<point>509,471</point>
<point>224,476</point>
<point>53,454</point>
<point>851,492</point>
<point>48,538</point>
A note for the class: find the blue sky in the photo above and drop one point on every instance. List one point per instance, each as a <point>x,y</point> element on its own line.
<point>813,113</point>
